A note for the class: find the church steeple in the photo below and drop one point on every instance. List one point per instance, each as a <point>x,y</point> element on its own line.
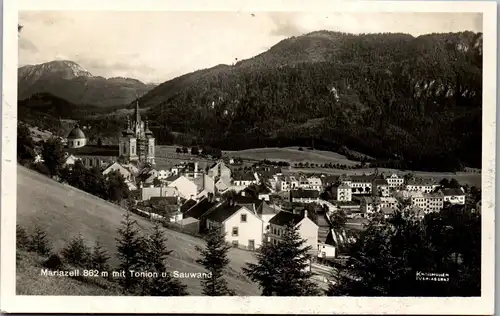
<point>137,115</point>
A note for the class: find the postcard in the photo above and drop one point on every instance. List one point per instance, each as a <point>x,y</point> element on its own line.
<point>248,157</point>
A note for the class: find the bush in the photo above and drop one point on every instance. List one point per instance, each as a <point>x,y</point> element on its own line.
<point>77,252</point>
<point>53,263</point>
<point>40,168</point>
<point>22,239</point>
<point>39,242</point>
<point>301,149</point>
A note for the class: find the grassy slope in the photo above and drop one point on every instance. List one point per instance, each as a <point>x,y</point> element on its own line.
<point>64,212</point>
<point>292,155</point>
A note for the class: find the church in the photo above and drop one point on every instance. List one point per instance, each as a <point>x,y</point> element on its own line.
<point>136,145</point>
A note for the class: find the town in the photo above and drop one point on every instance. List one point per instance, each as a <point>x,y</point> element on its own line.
<point>253,204</point>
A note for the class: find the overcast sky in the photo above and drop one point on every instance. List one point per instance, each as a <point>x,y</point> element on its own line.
<point>158,46</point>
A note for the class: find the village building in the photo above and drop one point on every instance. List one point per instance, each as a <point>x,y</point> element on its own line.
<point>314,183</point>
<point>370,204</point>
<point>388,202</point>
<point>454,196</point>
<point>125,173</point>
<point>307,229</point>
<point>304,196</point>
<point>361,184</point>
<point>186,188</point>
<point>218,171</point>
<point>429,202</point>
<point>244,179</point>
<point>381,187</point>
<point>393,180</point>
<point>241,226</point>
<point>421,185</point>
<point>342,193</point>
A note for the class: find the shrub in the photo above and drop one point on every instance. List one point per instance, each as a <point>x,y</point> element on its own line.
<point>53,263</point>
<point>77,252</point>
<point>99,258</point>
<point>39,242</point>
<point>40,168</point>
<point>22,239</point>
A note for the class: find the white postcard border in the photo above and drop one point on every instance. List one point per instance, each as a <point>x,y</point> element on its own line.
<point>204,305</point>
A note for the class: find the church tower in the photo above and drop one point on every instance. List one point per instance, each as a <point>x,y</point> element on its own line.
<point>128,144</point>
<point>137,142</point>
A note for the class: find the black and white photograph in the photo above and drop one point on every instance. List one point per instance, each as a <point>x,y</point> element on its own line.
<point>249,150</point>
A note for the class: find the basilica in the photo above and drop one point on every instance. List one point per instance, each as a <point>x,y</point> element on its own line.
<point>136,145</point>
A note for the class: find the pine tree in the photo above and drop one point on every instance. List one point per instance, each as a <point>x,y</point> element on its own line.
<point>214,259</point>
<point>77,252</point>
<point>154,254</point>
<point>99,258</point>
<point>22,239</point>
<point>129,245</point>
<point>283,269</point>
<point>39,242</point>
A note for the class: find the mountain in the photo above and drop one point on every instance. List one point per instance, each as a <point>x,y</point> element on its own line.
<point>411,102</point>
<point>68,80</point>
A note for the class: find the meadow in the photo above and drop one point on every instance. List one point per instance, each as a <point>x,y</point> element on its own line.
<point>64,212</point>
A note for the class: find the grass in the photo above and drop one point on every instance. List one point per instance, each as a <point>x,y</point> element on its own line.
<point>166,158</point>
<point>292,155</point>
<point>65,212</point>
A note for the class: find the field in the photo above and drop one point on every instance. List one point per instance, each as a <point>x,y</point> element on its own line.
<point>166,158</point>
<point>65,212</point>
<point>292,155</point>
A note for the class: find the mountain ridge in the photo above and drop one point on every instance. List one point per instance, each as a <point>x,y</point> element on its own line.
<point>68,80</point>
<point>371,90</point>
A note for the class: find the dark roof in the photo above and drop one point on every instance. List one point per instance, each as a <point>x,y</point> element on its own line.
<point>267,209</point>
<point>200,208</point>
<point>94,150</point>
<point>380,182</point>
<point>304,194</point>
<point>187,205</point>
<point>173,177</point>
<point>257,189</point>
<point>76,133</point>
<point>286,218</point>
<point>222,212</point>
<point>450,192</point>
<point>362,178</point>
<point>244,176</point>
<point>330,179</point>
<point>171,200</point>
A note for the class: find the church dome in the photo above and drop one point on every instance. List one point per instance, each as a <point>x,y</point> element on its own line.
<point>76,133</point>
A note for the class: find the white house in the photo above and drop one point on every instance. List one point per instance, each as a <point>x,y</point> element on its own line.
<point>304,196</point>
<point>69,161</point>
<point>361,184</point>
<point>308,230</point>
<point>187,189</point>
<point>394,180</point>
<point>266,213</point>
<point>342,193</point>
<point>370,205</point>
<point>389,202</point>
<point>117,167</point>
<point>421,185</point>
<point>314,183</point>
<point>147,193</point>
<point>429,202</point>
<point>244,179</point>
<point>163,174</point>
<point>454,196</point>
<point>243,228</point>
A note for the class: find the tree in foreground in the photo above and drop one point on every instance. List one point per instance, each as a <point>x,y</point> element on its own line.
<point>99,258</point>
<point>338,219</point>
<point>154,255</point>
<point>388,255</point>
<point>214,259</point>
<point>283,269</point>
<point>77,252</point>
<point>22,239</point>
<point>53,155</point>
<point>39,242</point>
<point>129,244</point>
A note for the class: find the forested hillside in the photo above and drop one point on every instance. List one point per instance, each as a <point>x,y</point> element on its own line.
<point>415,101</point>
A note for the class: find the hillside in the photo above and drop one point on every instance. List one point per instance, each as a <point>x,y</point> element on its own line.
<point>413,100</point>
<point>65,212</point>
<point>68,80</point>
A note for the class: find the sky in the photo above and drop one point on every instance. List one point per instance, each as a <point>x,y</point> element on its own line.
<point>157,46</point>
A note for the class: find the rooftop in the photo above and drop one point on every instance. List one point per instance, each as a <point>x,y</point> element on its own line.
<point>285,218</point>
<point>313,194</point>
<point>95,150</point>
<point>451,192</point>
<point>200,208</point>
<point>223,211</point>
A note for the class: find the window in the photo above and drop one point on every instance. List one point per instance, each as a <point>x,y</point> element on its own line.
<point>235,231</point>
<point>235,243</point>
<point>78,143</point>
<point>243,218</point>
<point>132,150</point>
